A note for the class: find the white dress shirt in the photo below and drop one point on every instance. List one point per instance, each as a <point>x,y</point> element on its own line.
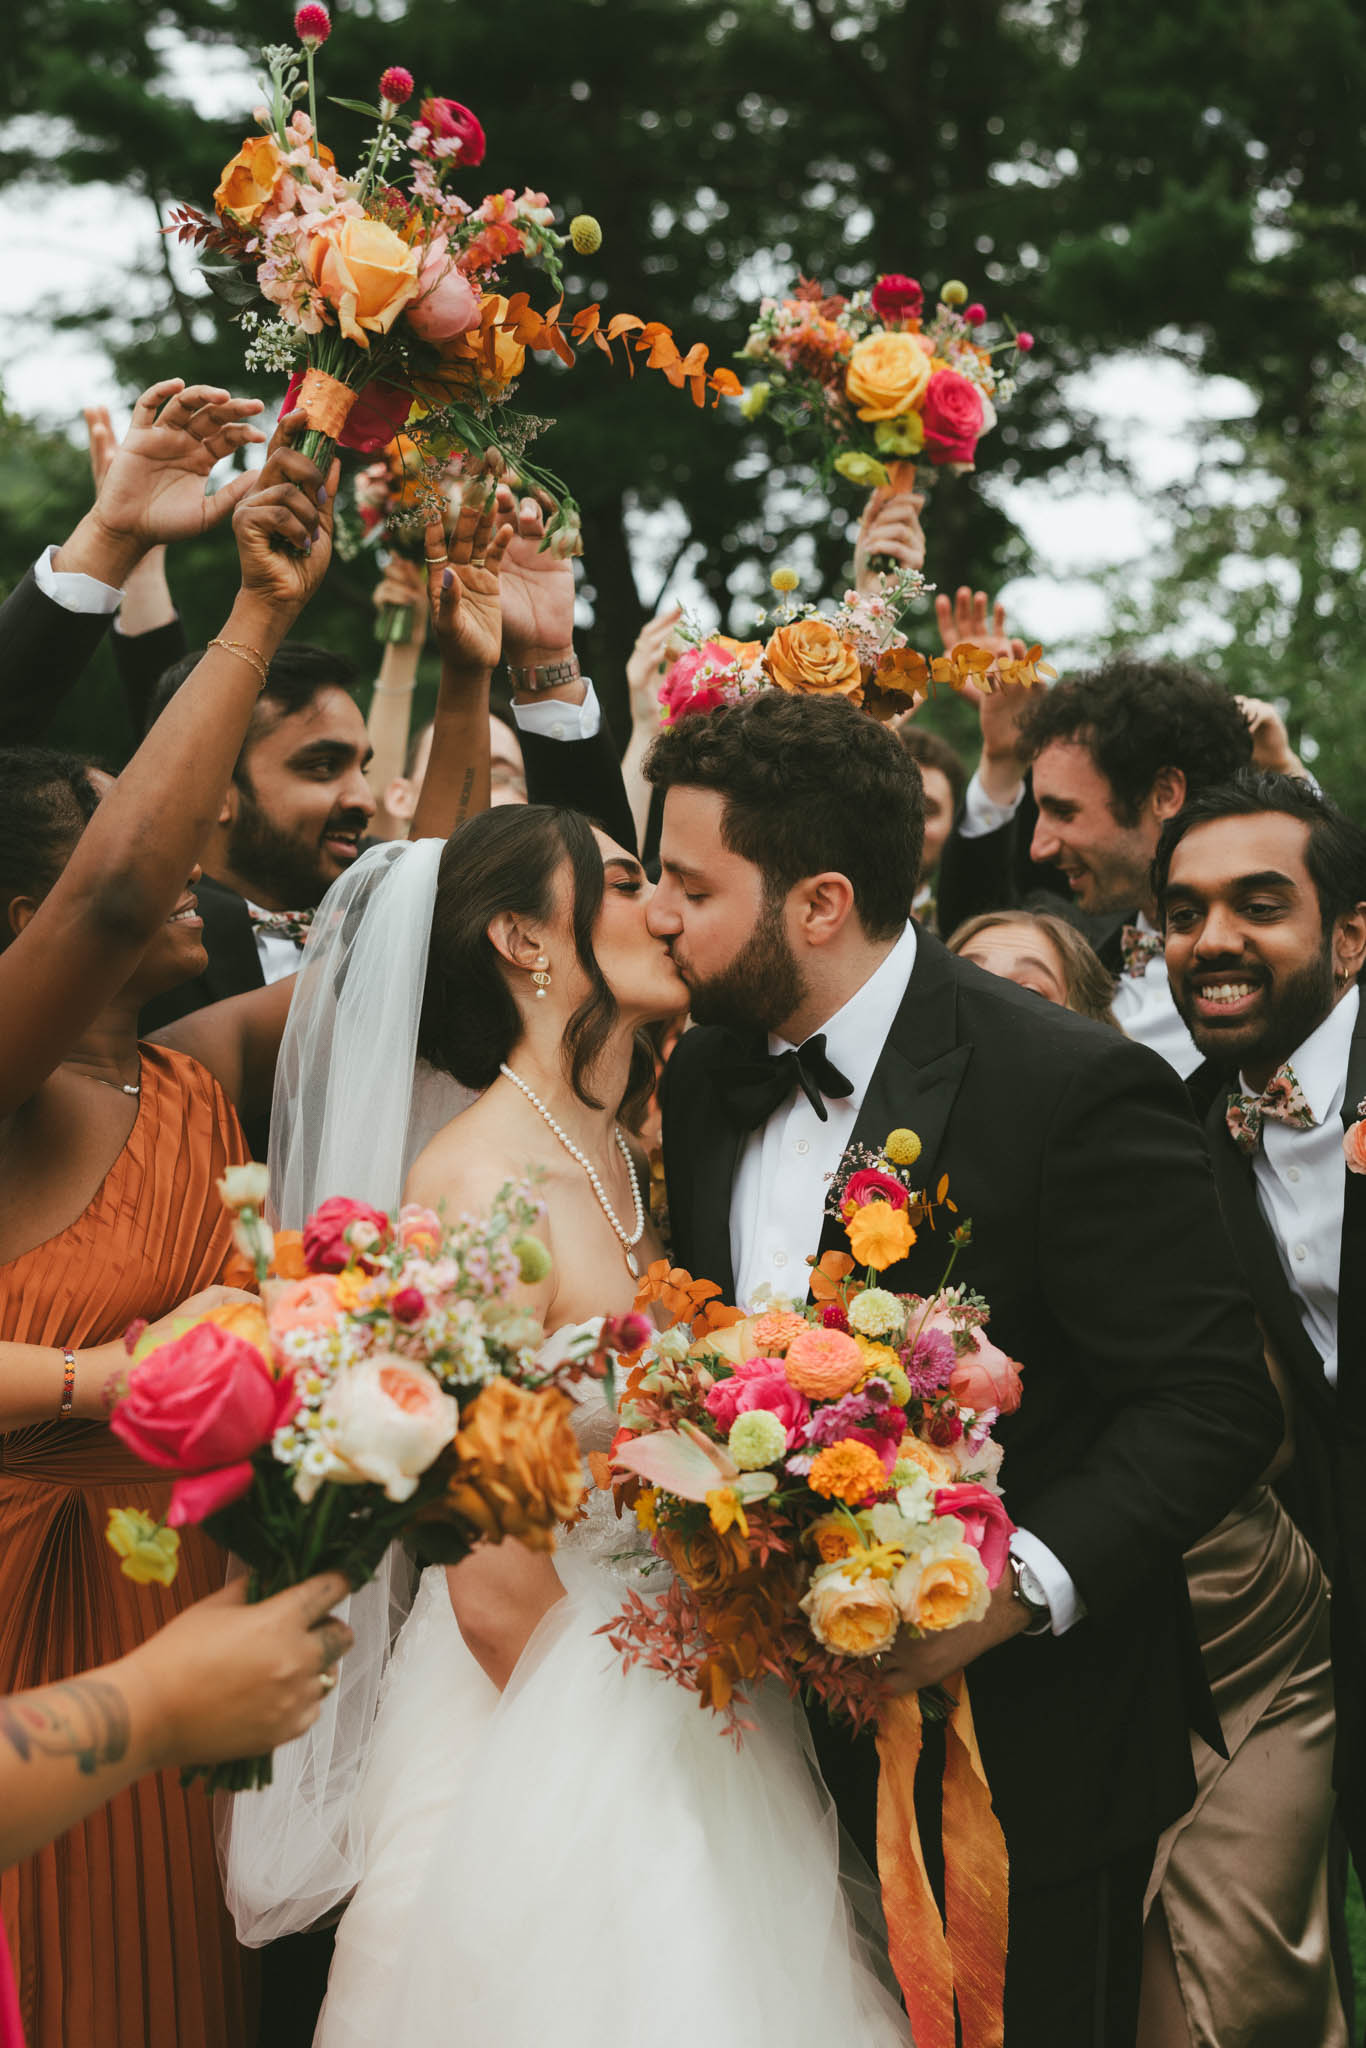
<point>1144,1009</point>
<point>554,719</point>
<point>72,589</point>
<point>782,1184</point>
<point>981,813</point>
<point>278,956</point>
<point>1299,1179</point>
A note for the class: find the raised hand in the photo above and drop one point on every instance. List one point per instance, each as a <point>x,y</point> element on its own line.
<point>152,487</point>
<point>646,665</point>
<point>538,589</point>
<point>283,523</point>
<point>465,562</point>
<point>1272,752</point>
<point>964,617</point>
<point>890,528</point>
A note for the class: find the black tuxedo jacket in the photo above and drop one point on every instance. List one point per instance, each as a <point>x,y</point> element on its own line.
<point>580,775</point>
<point>994,872</point>
<point>1325,1488</point>
<point>43,650</point>
<point>1147,1409</point>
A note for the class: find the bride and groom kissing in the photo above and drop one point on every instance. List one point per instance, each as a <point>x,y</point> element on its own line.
<point>532,1829</point>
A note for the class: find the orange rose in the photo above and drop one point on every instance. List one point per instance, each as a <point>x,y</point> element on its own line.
<point>367,272</point>
<point>709,1561</point>
<point>913,1450</point>
<point>810,659</point>
<point>248,183</point>
<point>517,1469</point>
<point>244,1319</point>
<point>834,1539</point>
<point>944,1592</point>
<point>851,1613</point>
<point>1354,1146</point>
<point>887,375</point>
<point>464,360</point>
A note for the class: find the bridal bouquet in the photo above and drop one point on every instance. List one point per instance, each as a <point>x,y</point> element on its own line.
<point>385,1384</point>
<point>869,381</point>
<point>819,1478</point>
<point>379,287</point>
<point>858,652</point>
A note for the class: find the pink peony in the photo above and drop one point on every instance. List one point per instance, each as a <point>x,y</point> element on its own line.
<point>760,1383</point>
<point>379,413</point>
<point>679,691</point>
<point>396,85</point>
<point>338,1230</point>
<point>986,1378</point>
<point>447,303</point>
<point>986,1525</point>
<point>897,297</point>
<point>447,119</point>
<point>953,418</point>
<point>312,24</point>
<point>869,1185</point>
<point>201,1405</point>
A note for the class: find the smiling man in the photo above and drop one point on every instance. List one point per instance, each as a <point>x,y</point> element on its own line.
<point>1263,889</point>
<point>293,819</point>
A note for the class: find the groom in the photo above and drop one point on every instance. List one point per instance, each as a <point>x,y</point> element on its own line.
<point>791,829</point>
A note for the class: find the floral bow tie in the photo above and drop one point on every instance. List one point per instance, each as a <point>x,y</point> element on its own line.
<point>1138,947</point>
<point>1282,1100</point>
<point>280,924</point>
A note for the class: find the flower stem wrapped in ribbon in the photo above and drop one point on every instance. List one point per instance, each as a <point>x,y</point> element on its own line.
<point>386,1384</point>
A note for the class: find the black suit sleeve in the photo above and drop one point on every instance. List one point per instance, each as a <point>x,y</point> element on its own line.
<point>141,660</point>
<point>974,875</point>
<point>580,775</point>
<point>1138,1272</point>
<point>43,650</point>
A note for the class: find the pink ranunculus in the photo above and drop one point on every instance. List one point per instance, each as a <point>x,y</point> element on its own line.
<point>419,1229</point>
<point>897,297</point>
<point>447,303</point>
<point>986,1378</point>
<point>986,1525</point>
<point>447,118</point>
<point>760,1383</point>
<point>379,413</point>
<point>338,1230</point>
<point>680,692</point>
<point>869,1185</point>
<point>204,1493</point>
<point>204,1400</point>
<point>953,416</point>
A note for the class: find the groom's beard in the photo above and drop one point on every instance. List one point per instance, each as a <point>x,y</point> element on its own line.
<point>762,985</point>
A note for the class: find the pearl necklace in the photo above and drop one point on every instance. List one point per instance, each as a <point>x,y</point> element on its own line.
<point>628,1244</point>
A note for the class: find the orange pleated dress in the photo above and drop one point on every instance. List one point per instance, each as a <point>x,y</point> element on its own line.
<point>118,1931</point>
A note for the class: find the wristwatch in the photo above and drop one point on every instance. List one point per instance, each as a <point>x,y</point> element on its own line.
<point>550,675</point>
<point>1031,1596</point>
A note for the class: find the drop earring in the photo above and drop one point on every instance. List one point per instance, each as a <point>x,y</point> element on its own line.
<point>540,976</point>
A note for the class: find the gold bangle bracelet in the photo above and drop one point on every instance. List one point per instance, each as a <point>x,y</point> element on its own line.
<point>248,654</point>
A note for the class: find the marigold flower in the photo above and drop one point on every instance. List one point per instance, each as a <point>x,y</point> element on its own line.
<point>396,85</point>
<point>586,234</point>
<point>847,1471</point>
<point>879,1235</point>
<point>902,1147</point>
<point>312,25</point>
<point>647,1521</point>
<point>148,1552</point>
<point>823,1364</point>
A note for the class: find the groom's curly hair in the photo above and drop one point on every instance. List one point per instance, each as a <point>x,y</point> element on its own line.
<point>809,785</point>
<point>506,860</point>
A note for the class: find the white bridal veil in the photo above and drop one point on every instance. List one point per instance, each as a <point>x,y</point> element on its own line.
<point>353,1107</point>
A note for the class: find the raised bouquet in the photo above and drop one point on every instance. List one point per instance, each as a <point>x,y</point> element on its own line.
<point>867,382</point>
<point>379,287</point>
<point>385,1385</point>
<point>857,651</point>
<point>822,1480</point>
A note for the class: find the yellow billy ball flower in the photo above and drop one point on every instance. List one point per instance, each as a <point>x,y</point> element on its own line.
<point>784,579</point>
<point>955,292</point>
<point>902,1148</point>
<point>586,235</point>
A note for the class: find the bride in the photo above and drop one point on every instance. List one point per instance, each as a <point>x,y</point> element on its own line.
<point>538,1846</point>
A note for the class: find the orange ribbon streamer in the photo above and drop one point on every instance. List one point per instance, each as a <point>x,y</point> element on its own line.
<point>963,1955</point>
<point>325,402</point>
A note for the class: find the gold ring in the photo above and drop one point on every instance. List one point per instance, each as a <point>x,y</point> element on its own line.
<point>327,1679</point>
<point>476,561</point>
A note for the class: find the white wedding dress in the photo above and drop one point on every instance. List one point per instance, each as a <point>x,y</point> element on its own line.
<point>586,1860</point>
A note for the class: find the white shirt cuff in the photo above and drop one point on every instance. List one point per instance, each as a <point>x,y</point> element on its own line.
<point>556,720</point>
<point>72,589</point>
<point>981,815</point>
<point>1065,1603</point>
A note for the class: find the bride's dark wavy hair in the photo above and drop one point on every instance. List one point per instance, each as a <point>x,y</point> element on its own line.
<point>506,860</point>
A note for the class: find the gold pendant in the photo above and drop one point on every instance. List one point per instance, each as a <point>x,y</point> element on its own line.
<point>632,1265</point>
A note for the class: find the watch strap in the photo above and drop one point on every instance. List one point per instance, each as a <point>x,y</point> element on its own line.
<point>1032,1598</point>
<point>550,675</point>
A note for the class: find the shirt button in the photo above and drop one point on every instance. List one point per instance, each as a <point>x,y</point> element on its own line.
<point>802,1147</point>
<point>780,1258</point>
<point>1292,1173</point>
<point>557,730</point>
<point>1300,1251</point>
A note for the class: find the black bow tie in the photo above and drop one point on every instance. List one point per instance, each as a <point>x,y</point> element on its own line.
<point>752,1088</point>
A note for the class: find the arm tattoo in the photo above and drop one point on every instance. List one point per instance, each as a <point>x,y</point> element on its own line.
<point>464,808</point>
<point>85,1718</point>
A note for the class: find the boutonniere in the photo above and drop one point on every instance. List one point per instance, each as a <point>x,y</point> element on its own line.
<point>1354,1141</point>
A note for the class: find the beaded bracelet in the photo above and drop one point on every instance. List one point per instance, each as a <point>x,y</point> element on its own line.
<point>250,654</point>
<point>68,1382</point>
